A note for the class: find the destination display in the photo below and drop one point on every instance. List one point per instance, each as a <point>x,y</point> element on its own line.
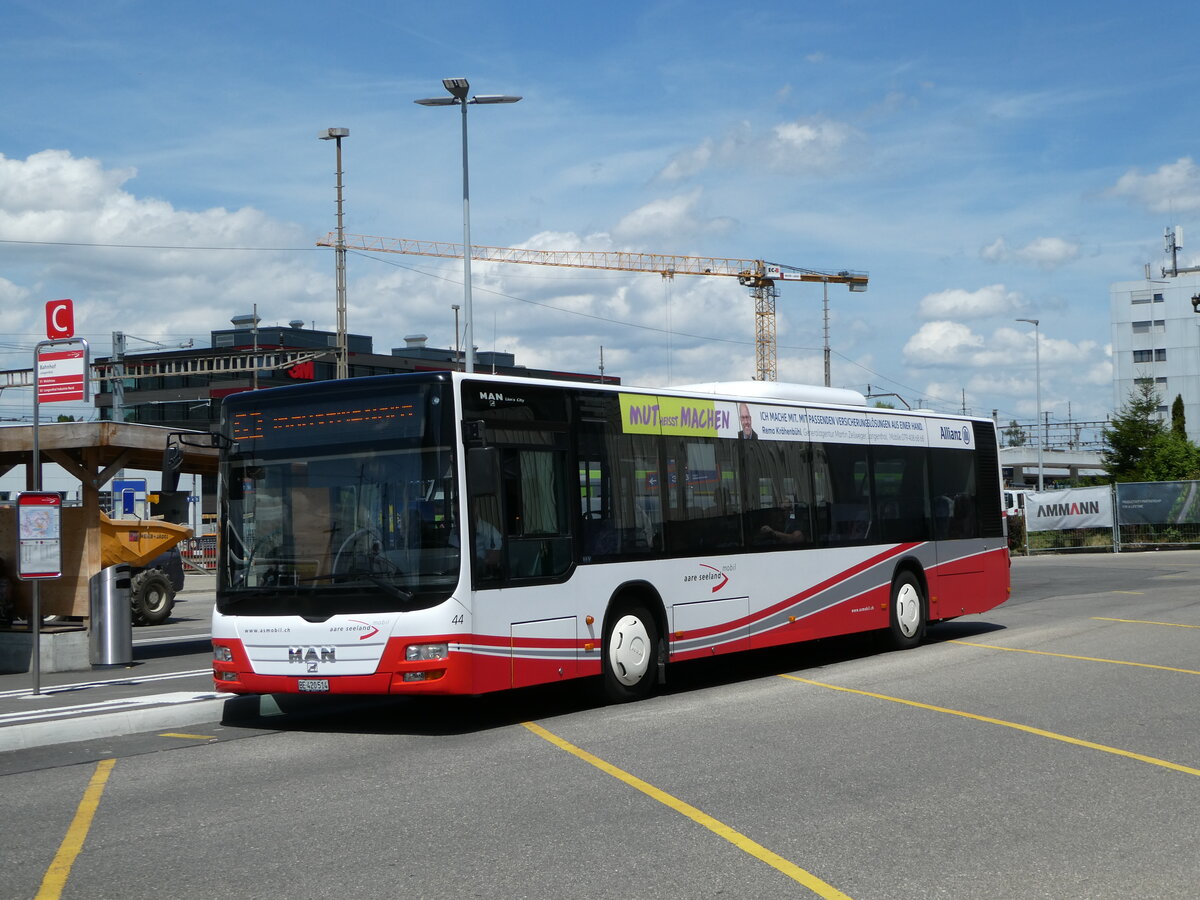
<point>310,424</point>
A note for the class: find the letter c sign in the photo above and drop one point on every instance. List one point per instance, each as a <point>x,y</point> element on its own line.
<point>60,319</point>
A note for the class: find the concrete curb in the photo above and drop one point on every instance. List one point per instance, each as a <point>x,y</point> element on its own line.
<point>114,724</point>
<point>232,709</point>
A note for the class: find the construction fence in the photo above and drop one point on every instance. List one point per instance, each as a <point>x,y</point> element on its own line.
<point>1116,518</point>
<point>200,553</point>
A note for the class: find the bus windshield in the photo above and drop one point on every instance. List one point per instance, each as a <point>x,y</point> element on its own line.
<point>350,516</point>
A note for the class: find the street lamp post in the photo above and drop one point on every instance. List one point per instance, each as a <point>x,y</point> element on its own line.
<point>1037,361</point>
<point>343,356</point>
<point>458,88</point>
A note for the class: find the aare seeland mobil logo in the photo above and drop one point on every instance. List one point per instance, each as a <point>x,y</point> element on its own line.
<point>718,578</point>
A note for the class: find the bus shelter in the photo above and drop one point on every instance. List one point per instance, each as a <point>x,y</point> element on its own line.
<point>93,453</point>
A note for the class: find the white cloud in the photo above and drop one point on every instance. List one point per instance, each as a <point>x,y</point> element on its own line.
<point>943,343</point>
<point>993,300</point>
<point>54,180</point>
<point>1100,374</point>
<point>13,298</point>
<point>1043,252</point>
<point>689,162</point>
<point>947,343</point>
<point>69,208</point>
<point>667,218</point>
<point>810,145</point>
<point>1174,187</point>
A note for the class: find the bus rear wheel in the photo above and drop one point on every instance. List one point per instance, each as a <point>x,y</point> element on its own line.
<point>907,612</point>
<point>631,655</point>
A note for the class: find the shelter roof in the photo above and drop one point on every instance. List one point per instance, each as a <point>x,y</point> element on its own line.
<point>103,447</point>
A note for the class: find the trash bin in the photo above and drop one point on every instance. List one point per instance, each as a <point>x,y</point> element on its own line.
<point>110,627</point>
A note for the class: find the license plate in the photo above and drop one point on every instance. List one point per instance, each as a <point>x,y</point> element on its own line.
<point>314,685</point>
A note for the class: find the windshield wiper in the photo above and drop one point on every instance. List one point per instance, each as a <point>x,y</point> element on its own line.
<point>394,591</point>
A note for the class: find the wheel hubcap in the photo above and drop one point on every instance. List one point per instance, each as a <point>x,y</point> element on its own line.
<point>908,610</point>
<point>629,651</point>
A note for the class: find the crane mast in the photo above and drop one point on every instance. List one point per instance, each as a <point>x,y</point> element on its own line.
<point>759,276</point>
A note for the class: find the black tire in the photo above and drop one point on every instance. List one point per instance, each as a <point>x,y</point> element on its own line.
<point>632,652</point>
<point>151,598</point>
<point>906,612</point>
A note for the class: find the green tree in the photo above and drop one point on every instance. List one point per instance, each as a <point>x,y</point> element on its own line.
<point>1132,434</point>
<point>1172,457</point>
<point>1142,448</point>
<point>1178,422</point>
<point>1014,435</point>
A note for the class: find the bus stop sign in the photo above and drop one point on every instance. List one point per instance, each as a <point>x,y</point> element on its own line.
<point>60,319</point>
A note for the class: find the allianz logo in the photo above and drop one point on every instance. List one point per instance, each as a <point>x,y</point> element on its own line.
<point>961,435</point>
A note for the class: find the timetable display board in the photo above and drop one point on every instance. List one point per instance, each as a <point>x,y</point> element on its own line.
<point>39,535</point>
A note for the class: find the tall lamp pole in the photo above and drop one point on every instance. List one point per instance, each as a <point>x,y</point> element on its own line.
<point>343,356</point>
<point>1037,361</point>
<point>458,88</point>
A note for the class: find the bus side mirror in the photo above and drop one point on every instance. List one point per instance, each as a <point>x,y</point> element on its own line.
<point>483,471</point>
<point>172,463</point>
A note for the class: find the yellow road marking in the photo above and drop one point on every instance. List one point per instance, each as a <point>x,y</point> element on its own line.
<point>1135,593</point>
<point>739,840</point>
<point>60,866</point>
<point>1040,732</point>
<point>190,737</point>
<point>1099,659</point>
<point>1141,622</point>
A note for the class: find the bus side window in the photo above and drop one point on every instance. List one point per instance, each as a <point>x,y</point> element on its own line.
<point>850,493</point>
<point>780,500</point>
<point>621,509</point>
<point>901,494</point>
<point>536,535</point>
<point>952,483</point>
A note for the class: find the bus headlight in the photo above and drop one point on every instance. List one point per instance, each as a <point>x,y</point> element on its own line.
<point>421,652</point>
<point>222,654</point>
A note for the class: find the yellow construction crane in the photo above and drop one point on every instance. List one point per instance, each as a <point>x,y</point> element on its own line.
<point>757,275</point>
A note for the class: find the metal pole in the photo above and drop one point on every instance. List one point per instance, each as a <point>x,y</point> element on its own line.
<point>35,604</point>
<point>343,361</point>
<point>457,345</point>
<point>254,377</point>
<point>1037,361</point>
<point>117,380</point>
<point>469,331</point>
<point>1037,357</point>
<point>825,285</point>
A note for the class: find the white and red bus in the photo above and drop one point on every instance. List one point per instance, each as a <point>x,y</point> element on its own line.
<point>450,533</point>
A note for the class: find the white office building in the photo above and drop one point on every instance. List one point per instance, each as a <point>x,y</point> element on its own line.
<point>1156,339</point>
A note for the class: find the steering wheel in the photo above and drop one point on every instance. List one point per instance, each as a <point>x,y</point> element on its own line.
<point>375,540</point>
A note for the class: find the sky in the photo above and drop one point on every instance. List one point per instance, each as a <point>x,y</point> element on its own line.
<point>160,165</point>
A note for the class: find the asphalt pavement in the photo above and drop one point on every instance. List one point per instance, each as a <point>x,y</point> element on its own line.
<point>168,686</point>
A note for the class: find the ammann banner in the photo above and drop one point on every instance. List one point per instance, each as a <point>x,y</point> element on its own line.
<point>1074,508</point>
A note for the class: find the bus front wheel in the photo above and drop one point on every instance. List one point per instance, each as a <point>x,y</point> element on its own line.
<point>631,652</point>
<point>907,615</point>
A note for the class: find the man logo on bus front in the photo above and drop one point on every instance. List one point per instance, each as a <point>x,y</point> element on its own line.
<point>310,658</point>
